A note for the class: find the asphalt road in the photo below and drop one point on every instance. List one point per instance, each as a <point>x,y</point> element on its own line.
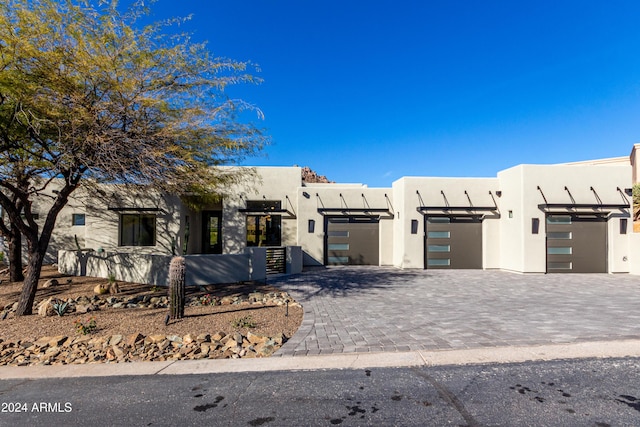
<point>594,392</point>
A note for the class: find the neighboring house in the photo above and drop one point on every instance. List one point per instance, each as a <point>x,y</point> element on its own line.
<point>528,219</point>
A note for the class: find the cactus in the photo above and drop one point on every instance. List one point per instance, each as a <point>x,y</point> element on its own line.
<point>177,272</point>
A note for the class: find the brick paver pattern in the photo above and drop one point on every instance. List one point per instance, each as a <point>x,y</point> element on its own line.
<point>367,309</point>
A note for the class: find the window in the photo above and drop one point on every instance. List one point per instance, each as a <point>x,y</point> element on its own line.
<point>558,219</point>
<point>338,246</point>
<point>77,219</point>
<point>137,230</point>
<point>554,250</point>
<point>264,230</point>
<point>438,220</point>
<point>439,248</point>
<point>561,235</point>
<point>438,234</point>
<point>559,266</point>
<point>438,262</point>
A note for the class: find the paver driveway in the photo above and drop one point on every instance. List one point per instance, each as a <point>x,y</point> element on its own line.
<point>363,309</point>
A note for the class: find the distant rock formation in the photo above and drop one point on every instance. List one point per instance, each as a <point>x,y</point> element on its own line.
<point>309,176</point>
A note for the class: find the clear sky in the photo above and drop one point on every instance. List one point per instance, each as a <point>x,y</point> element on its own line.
<point>372,90</point>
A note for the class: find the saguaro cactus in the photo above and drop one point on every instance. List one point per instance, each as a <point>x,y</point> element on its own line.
<point>177,272</point>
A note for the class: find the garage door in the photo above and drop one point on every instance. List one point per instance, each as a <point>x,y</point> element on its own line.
<point>453,242</point>
<point>352,241</point>
<point>576,244</point>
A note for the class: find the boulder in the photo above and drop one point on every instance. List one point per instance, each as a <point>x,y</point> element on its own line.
<point>100,290</point>
<point>114,288</point>
<point>45,309</point>
<point>255,339</point>
<point>50,283</point>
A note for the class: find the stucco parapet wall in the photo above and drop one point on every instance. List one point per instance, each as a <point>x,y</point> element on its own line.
<point>623,160</point>
<point>334,185</point>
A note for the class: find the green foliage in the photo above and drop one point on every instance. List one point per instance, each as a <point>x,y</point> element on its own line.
<point>111,278</point>
<point>244,322</point>
<point>88,94</point>
<point>60,307</point>
<point>86,328</point>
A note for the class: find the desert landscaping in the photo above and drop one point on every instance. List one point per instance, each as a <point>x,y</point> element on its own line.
<point>221,321</point>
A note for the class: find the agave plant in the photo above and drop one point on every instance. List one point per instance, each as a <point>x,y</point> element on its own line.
<point>60,307</point>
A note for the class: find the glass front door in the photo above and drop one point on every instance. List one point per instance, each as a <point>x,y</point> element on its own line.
<point>212,232</point>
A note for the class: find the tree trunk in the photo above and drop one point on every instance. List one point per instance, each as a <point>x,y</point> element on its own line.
<point>30,285</point>
<point>15,256</point>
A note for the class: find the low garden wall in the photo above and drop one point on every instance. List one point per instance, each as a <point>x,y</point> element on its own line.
<point>154,269</point>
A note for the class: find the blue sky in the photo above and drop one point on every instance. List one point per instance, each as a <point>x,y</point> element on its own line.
<point>370,91</point>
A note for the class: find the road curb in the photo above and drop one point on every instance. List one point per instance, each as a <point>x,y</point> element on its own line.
<point>581,350</point>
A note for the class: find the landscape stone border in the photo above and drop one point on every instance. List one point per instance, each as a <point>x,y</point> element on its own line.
<point>62,350</point>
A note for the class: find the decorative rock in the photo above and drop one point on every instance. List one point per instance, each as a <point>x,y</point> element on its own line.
<point>237,337</point>
<point>62,350</point>
<point>83,309</point>
<point>256,296</point>
<point>175,338</point>
<point>50,283</point>
<point>218,336</point>
<point>114,288</point>
<point>255,339</point>
<point>133,339</point>
<point>46,308</point>
<point>115,340</point>
<point>203,338</point>
<point>100,290</point>
<point>83,300</point>
<point>227,300</point>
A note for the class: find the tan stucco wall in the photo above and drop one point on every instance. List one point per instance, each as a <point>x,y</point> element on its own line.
<point>354,198</point>
<point>524,251</point>
<point>268,183</point>
<point>413,192</point>
<point>101,229</point>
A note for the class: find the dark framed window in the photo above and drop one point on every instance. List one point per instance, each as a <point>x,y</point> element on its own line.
<point>137,230</point>
<point>264,230</point>
<point>77,219</point>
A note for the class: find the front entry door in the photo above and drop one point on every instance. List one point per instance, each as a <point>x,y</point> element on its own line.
<point>212,232</point>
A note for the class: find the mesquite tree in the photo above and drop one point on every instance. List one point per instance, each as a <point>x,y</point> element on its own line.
<point>177,273</point>
<point>87,94</point>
